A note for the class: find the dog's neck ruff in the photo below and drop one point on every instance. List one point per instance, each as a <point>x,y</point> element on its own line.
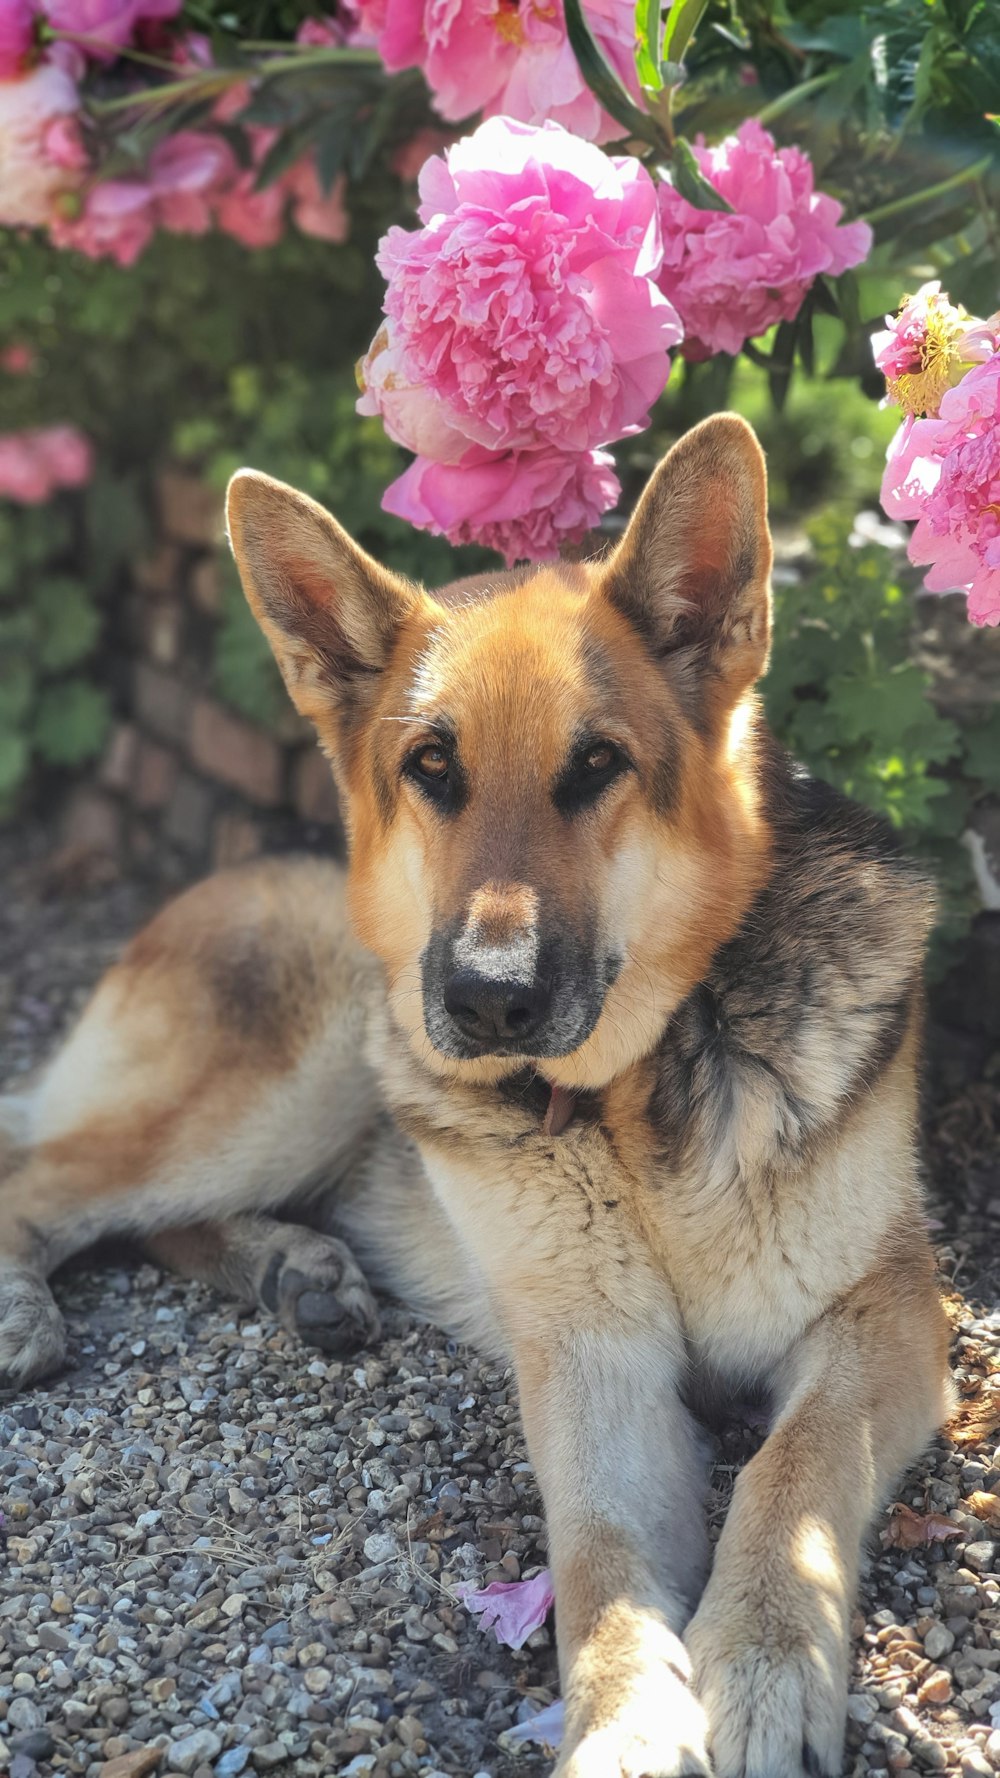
<point>559,1111</point>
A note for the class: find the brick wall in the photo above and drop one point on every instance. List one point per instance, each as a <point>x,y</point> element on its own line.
<point>186,783</point>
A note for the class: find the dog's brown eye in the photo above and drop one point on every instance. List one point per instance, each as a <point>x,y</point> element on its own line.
<point>432,762</point>
<point>588,773</point>
<point>436,771</point>
<point>599,758</point>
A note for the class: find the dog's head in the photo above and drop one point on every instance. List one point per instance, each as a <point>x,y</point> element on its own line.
<point>547,774</point>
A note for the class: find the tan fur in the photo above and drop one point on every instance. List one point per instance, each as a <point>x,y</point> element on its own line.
<point>737,1196</point>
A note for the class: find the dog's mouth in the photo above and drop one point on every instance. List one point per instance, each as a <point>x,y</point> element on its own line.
<point>559,1036</point>
<point>535,1015</point>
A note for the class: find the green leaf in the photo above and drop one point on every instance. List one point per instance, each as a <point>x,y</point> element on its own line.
<point>687,178</point>
<point>682,22</point>
<point>17,690</point>
<point>779,374</point>
<point>895,708</point>
<point>68,623</point>
<point>71,722</point>
<point>982,752</point>
<point>14,758</point>
<point>117,527</point>
<point>648,14</point>
<point>604,83</point>
<point>245,673</point>
<point>289,147</point>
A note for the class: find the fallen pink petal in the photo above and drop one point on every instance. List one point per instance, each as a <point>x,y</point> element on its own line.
<point>512,1609</point>
<point>547,1727</point>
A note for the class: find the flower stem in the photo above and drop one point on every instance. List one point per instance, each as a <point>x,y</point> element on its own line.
<point>212,80</point>
<point>88,42</point>
<point>975,170</point>
<point>805,90</point>
<point>205,83</point>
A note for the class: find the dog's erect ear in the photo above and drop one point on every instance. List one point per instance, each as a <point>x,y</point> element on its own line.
<point>330,613</point>
<point>692,571</point>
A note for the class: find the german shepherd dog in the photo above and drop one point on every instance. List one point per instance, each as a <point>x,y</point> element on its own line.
<point>603,1055</point>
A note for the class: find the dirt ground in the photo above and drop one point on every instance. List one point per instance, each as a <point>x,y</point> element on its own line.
<point>226,1549</point>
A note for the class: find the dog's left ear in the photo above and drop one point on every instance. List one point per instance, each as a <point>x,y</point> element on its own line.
<point>330,612</point>
<point>692,572</point>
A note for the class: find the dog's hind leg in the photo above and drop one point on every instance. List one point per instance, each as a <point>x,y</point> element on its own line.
<point>215,1071</point>
<point>310,1281</point>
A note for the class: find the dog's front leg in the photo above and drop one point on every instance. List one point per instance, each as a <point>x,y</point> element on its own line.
<point>598,1347</point>
<point>858,1397</point>
<point>622,1477</point>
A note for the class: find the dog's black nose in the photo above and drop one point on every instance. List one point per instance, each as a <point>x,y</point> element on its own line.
<point>493,1012</point>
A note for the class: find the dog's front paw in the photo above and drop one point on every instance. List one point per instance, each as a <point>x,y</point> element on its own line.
<point>32,1334</point>
<point>318,1291</point>
<point>773,1683</point>
<point>659,1732</point>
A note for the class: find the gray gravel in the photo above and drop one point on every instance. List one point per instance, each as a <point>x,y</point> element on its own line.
<point>227,1555</point>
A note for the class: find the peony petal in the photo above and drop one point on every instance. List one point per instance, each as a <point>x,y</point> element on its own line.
<point>511,1609</point>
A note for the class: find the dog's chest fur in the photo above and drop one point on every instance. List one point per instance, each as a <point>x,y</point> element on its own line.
<point>758,1162</point>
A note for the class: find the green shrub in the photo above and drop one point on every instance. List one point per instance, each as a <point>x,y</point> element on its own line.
<point>847,698</point>
<point>51,708</point>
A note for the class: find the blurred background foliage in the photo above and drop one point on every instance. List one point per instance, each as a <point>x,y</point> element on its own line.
<point>211,356</point>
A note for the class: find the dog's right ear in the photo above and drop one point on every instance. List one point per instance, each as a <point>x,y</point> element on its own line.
<point>330,613</point>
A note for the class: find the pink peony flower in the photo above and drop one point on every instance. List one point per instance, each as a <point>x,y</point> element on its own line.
<point>928,347</point>
<point>17,36</point>
<point>945,473</point>
<point>408,160</point>
<point>31,181</point>
<point>67,454</point>
<point>188,173</point>
<point>349,26</point>
<point>509,57</point>
<point>408,414</point>
<point>23,474</point>
<point>523,504</point>
<point>326,33</point>
<point>256,218</point>
<point>315,211</point>
<point>117,221</point>
<point>34,463</point>
<point>63,144</point>
<point>107,25</point>
<point>523,314</point>
<point>18,359</point>
<point>732,276</point>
